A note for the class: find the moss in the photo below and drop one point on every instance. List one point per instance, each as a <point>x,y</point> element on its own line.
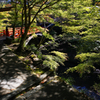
<point>33,56</point>
<point>37,71</point>
<point>21,57</point>
<point>27,61</point>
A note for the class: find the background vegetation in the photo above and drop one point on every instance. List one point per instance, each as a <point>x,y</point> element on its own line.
<point>80,22</point>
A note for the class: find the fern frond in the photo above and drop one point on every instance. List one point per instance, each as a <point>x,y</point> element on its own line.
<point>48,57</point>
<point>60,54</point>
<point>84,56</point>
<point>90,57</point>
<point>52,61</point>
<point>48,36</point>
<point>52,64</point>
<point>81,68</point>
<point>59,60</point>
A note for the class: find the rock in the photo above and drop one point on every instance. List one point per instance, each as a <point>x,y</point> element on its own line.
<point>5,49</point>
<point>32,66</point>
<point>72,90</point>
<point>35,59</point>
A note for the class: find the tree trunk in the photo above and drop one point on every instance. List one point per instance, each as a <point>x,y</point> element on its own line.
<point>28,21</point>
<point>21,45</point>
<point>16,14</point>
<point>22,23</point>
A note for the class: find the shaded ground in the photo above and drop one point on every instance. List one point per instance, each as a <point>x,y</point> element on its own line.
<point>14,78</point>
<point>53,90</point>
<point>13,73</point>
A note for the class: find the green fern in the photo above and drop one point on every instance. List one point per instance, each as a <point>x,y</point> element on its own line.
<point>84,56</point>
<point>52,64</point>
<point>87,61</point>
<point>91,58</point>
<point>82,69</point>
<point>53,61</point>
<point>60,54</point>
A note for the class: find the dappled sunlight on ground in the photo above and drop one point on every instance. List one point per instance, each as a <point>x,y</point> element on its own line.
<point>53,89</point>
<point>12,71</point>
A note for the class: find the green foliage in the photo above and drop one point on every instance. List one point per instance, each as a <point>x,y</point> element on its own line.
<point>83,31</point>
<point>68,80</point>
<point>39,54</point>
<point>48,36</point>
<point>60,54</point>
<point>87,61</point>
<point>97,87</point>
<point>28,68</point>
<point>27,61</point>
<point>91,57</point>
<point>74,22</point>
<point>20,57</point>
<point>87,43</point>
<point>38,71</point>
<point>1,16</point>
<point>50,62</point>
<point>82,69</point>
<point>53,61</point>
<point>32,48</point>
<point>14,15</point>
<point>81,26</point>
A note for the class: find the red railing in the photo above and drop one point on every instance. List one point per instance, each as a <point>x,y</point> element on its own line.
<point>17,32</point>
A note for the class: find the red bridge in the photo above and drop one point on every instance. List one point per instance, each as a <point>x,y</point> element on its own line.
<point>9,32</point>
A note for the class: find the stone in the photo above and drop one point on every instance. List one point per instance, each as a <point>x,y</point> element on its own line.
<point>72,90</point>
<point>5,49</point>
<point>2,54</point>
<point>35,59</point>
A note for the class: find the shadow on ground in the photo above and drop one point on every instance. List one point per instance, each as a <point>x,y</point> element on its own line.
<point>13,72</point>
<point>53,90</point>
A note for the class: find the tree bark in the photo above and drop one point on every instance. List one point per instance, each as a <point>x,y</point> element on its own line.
<point>21,45</point>
<point>16,14</point>
<point>28,20</point>
<point>22,22</point>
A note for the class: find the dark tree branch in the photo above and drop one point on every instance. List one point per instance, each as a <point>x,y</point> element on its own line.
<point>38,11</point>
<point>49,5</point>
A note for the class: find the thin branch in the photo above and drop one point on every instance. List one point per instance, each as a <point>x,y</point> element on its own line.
<point>38,11</point>
<point>34,4</point>
<point>49,5</point>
